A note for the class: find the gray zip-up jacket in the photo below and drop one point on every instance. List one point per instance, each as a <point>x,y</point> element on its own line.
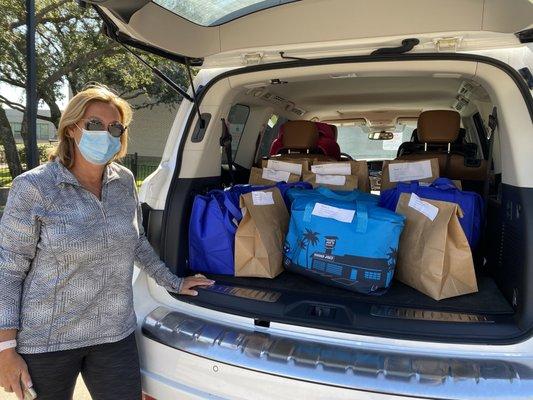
<point>66,259</point>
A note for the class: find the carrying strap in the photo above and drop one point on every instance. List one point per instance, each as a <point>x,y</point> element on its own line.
<point>326,192</point>
<point>225,142</point>
<point>443,184</point>
<point>360,220</point>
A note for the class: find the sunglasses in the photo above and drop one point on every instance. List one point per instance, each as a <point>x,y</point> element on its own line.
<point>115,128</point>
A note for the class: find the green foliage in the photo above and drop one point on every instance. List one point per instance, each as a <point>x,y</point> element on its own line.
<point>43,148</point>
<point>71,48</point>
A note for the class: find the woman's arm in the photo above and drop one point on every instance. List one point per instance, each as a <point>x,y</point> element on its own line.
<point>19,234</point>
<point>148,259</point>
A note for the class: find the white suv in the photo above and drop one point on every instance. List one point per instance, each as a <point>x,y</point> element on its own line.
<point>361,65</point>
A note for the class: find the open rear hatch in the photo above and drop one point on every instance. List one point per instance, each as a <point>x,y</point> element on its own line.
<point>216,33</point>
<point>211,33</point>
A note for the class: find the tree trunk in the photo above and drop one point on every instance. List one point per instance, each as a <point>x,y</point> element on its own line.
<point>55,112</point>
<point>24,130</point>
<point>10,148</point>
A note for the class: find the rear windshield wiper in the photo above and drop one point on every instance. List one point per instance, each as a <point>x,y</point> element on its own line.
<point>407,45</point>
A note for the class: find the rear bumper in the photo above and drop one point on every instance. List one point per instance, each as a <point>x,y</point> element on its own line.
<point>196,348</point>
<point>191,377</point>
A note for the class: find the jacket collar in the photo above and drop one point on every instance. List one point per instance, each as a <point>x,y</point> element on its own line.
<point>65,176</point>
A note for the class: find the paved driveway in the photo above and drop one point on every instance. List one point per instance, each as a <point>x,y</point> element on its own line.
<point>81,393</point>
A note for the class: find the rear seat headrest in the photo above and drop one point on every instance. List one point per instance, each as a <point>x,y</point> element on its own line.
<point>300,135</point>
<point>438,126</point>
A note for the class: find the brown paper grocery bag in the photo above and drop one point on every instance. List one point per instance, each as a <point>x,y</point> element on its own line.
<point>335,182</point>
<point>266,176</point>
<point>357,168</point>
<point>296,167</point>
<point>261,233</point>
<point>434,256</point>
<point>408,170</point>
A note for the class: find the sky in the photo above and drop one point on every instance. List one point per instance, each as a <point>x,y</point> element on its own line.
<point>18,95</point>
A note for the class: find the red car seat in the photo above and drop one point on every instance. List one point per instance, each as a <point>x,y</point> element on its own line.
<point>292,133</point>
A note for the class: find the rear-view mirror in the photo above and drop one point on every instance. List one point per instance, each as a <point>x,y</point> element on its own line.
<point>383,135</point>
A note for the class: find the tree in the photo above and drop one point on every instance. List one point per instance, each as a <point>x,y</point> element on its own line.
<point>72,50</point>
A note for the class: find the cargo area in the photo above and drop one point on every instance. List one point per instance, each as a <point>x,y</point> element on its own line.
<point>357,106</point>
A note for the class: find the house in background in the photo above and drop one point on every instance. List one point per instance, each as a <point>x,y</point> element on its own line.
<point>46,131</point>
<point>148,131</point>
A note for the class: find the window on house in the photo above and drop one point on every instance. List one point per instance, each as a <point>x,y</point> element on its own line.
<point>16,127</point>
<point>43,131</point>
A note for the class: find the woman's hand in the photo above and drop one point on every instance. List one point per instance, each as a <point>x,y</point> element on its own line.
<point>13,370</point>
<point>193,281</point>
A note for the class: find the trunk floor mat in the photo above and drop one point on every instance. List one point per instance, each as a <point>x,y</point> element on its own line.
<point>488,300</point>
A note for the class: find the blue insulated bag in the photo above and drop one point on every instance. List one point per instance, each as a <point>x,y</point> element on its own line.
<point>214,220</point>
<point>443,189</point>
<point>350,244</point>
<point>348,195</point>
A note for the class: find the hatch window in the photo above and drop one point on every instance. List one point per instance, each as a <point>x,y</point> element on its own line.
<point>217,12</point>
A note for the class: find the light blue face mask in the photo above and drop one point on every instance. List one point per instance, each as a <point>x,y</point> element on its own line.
<point>98,147</point>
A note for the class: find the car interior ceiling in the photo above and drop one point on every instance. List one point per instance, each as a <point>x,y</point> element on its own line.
<point>374,102</point>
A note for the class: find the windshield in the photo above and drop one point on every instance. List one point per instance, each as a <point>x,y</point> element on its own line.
<point>216,12</point>
<point>353,140</point>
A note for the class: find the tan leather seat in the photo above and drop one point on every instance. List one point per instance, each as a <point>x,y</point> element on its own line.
<point>300,136</point>
<point>438,131</point>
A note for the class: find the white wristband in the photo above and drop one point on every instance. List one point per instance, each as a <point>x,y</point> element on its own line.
<point>8,344</point>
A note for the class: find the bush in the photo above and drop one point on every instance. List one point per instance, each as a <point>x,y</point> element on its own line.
<point>43,149</point>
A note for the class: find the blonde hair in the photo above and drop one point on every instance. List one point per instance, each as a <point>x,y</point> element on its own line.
<point>74,112</point>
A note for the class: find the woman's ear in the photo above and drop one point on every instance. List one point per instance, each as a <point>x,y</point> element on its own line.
<point>70,131</point>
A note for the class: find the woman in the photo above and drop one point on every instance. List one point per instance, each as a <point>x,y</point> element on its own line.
<point>69,236</point>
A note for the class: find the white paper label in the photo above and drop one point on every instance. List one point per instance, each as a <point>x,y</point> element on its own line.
<point>276,176</point>
<point>335,180</point>
<point>339,214</point>
<point>262,198</point>
<point>332,169</point>
<point>285,166</point>
<point>429,210</point>
<point>409,171</point>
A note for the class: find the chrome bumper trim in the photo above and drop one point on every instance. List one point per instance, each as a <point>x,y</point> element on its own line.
<point>426,315</point>
<point>267,296</point>
<point>405,374</point>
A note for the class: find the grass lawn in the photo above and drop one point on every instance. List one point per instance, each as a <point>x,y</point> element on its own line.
<point>5,177</point>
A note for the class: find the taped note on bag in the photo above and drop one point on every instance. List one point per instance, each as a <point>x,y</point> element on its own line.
<point>335,180</point>
<point>276,176</point>
<point>429,210</point>
<point>339,214</point>
<point>285,166</point>
<point>410,171</point>
<point>332,169</point>
<point>260,198</point>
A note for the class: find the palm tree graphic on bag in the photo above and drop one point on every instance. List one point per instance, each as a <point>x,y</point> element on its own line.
<point>308,238</point>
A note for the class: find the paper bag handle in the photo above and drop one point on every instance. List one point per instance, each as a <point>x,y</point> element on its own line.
<point>360,221</point>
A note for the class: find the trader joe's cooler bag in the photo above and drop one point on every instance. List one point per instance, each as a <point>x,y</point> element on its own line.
<point>350,244</point>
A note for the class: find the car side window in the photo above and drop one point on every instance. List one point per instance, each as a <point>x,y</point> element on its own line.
<point>270,134</point>
<point>237,118</point>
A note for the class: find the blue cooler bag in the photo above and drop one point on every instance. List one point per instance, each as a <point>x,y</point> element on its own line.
<point>349,244</point>
<point>214,220</point>
<point>443,189</point>
<point>344,195</point>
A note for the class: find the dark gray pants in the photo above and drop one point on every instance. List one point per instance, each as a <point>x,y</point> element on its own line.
<point>110,371</point>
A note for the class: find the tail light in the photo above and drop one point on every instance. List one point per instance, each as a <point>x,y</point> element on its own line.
<point>147,397</point>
